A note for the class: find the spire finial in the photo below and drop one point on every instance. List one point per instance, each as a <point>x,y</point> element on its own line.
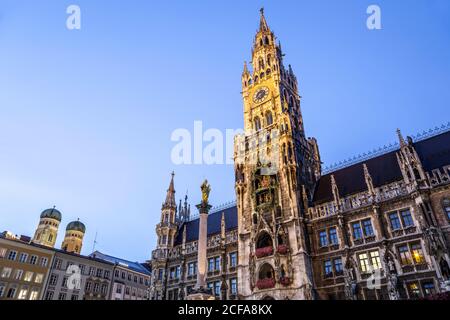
<point>262,11</point>
<point>263,23</point>
<point>400,138</point>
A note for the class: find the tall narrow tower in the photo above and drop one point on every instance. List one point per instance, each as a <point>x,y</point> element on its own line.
<point>47,229</point>
<point>166,231</point>
<point>273,250</point>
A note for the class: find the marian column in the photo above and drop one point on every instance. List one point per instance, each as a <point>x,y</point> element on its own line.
<point>200,291</point>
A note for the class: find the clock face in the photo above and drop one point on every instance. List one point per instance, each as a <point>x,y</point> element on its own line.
<point>261,95</point>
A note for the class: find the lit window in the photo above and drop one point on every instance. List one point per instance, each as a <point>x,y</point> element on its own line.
<point>375,259</point>
<point>6,272</point>
<point>323,238</point>
<point>18,275</point>
<point>364,262</point>
<point>39,277</point>
<point>23,294</point>
<point>2,252</point>
<point>395,221</point>
<point>414,290</point>
<point>417,253</point>
<point>405,256</point>
<point>34,294</point>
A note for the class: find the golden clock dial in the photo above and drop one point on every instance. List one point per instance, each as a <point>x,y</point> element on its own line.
<point>261,94</point>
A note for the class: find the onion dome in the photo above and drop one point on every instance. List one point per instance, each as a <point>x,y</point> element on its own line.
<point>76,226</point>
<point>52,214</point>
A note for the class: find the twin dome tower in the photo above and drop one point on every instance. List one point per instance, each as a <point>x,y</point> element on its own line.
<point>47,231</point>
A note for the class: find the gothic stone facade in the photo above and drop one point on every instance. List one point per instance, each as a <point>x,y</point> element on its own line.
<point>377,229</point>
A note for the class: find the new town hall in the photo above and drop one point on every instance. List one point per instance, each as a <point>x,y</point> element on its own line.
<point>373,229</point>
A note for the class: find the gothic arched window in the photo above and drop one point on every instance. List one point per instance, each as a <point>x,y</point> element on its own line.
<point>261,63</point>
<point>269,60</point>
<point>269,119</point>
<point>257,124</point>
<point>446,207</point>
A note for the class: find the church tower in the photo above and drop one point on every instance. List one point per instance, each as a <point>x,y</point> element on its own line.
<point>73,239</point>
<point>47,229</point>
<point>276,168</point>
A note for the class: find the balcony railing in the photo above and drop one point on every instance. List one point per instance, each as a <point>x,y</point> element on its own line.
<point>282,249</point>
<point>264,252</point>
<point>266,283</point>
<point>360,200</point>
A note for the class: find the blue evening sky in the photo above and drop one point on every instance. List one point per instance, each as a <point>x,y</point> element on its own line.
<point>86,116</point>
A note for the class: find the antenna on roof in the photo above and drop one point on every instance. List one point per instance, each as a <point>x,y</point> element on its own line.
<point>95,242</point>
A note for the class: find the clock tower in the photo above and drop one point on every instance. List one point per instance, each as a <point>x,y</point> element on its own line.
<point>276,168</point>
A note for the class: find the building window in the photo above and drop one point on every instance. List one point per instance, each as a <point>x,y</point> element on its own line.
<point>11,293</point>
<point>12,255</point>
<point>23,257</point>
<point>269,118</point>
<point>233,259</point>
<point>58,264</point>
<point>407,219</point>
<point>119,289</point>
<point>414,291</point>
<point>210,264</point>
<point>88,286</point>
<point>28,276</point>
<point>64,283</point>
<point>74,297</point>
<point>34,294</point>
<point>257,124</point>
<point>411,254</point>
<point>6,272</point>
<point>129,277</point>
<point>23,294</point>
<point>96,287</point>
<point>99,273</point>
<point>328,269</point>
<point>53,280</point>
<point>106,274</point>
<point>104,288</point>
<point>323,239</point>
<point>217,288</point>
<point>2,289</point>
<point>428,288</point>
<point>395,221</point>
<point>141,280</point>
<point>233,286</point>
<point>338,266</point>
<point>116,273</point>
<point>446,205</point>
<point>44,262</point>
<point>369,261</point>
<point>62,296</point>
<point>33,259</point>
<point>18,275</point>
<point>357,233</point>
<point>39,278</point>
<point>217,263</point>
<point>49,295</point>
<point>127,291</point>
<point>135,279</point>
<point>368,230</point>
<point>160,274</point>
<point>91,271</point>
<point>333,236</point>
<point>192,266</point>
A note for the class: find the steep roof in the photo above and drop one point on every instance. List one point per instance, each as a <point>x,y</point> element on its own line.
<point>135,266</point>
<point>214,224</point>
<point>434,153</point>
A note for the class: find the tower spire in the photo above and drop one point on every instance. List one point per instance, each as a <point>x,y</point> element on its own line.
<point>170,197</point>
<point>262,22</point>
